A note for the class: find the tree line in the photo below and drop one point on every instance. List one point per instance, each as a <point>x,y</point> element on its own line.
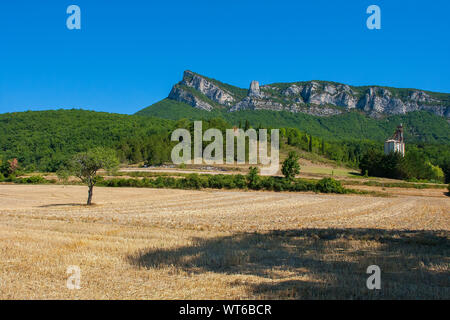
<point>46,140</point>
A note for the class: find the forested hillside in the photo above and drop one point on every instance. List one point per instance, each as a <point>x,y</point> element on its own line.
<point>44,139</point>
<point>420,126</point>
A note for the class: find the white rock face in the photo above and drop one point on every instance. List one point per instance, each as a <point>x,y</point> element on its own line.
<point>254,89</point>
<point>330,89</point>
<point>315,97</point>
<point>293,90</point>
<point>253,103</point>
<point>420,96</point>
<point>314,110</point>
<point>346,100</point>
<point>182,95</point>
<point>208,88</point>
<point>378,101</point>
<point>315,93</point>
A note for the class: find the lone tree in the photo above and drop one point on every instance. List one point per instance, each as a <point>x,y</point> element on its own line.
<point>86,164</point>
<point>290,166</point>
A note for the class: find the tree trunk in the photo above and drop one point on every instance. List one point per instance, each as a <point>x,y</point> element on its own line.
<point>91,189</point>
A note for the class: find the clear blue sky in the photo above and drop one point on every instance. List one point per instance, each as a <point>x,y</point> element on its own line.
<point>128,54</point>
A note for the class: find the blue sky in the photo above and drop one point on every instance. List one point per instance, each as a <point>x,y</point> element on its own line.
<point>128,54</point>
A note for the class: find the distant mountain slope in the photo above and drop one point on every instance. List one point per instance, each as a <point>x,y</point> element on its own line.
<point>318,98</point>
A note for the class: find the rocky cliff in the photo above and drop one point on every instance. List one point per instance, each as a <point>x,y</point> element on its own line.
<point>320,98</point>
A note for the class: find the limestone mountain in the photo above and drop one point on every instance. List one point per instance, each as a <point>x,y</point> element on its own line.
<point>318,98</point>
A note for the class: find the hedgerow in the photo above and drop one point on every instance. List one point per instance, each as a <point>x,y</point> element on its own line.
<point>238,181</point>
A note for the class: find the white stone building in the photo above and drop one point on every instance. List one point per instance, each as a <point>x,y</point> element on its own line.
<point>396,142</point>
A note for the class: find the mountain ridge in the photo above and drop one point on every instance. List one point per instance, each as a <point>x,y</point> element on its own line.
<point>315,97</point>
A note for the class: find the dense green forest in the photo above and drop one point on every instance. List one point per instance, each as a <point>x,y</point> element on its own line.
<point>45,140</point>
<point>421,127</point>
<point>393,165</point>
<point>422,161</point>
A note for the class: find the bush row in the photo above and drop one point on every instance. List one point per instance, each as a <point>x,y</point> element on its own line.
<point>220,181</point>
<point>32,180</point>
<point>238,181</point>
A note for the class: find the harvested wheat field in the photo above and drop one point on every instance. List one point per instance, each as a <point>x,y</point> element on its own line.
<point>180,244</point>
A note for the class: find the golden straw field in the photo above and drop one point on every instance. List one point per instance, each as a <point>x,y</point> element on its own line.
<point>184,244</point>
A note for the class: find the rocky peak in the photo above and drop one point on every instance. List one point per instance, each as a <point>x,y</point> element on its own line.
<point>254,90</point>
<point>208,88</point>
<point>314,97</point>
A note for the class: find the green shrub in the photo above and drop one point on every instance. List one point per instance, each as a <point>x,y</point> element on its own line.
<point>267,183</point>
<point>170,182</point>
<point>193,181</point>
<point>436,174</point>
<point>220,181</point>
<point>32,180</point>
<point>253,178</point>
<point>329,185</point>
<point>125,182</point>
<point>159,182</point>
<point>290,166</point>
<point>278,186</point>
<point>239,181</point>
<point>215,181</point>
<point>300,185</point>
<point>228,181</point>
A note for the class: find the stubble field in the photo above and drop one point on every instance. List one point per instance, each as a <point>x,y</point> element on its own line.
<point>181,244</point>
